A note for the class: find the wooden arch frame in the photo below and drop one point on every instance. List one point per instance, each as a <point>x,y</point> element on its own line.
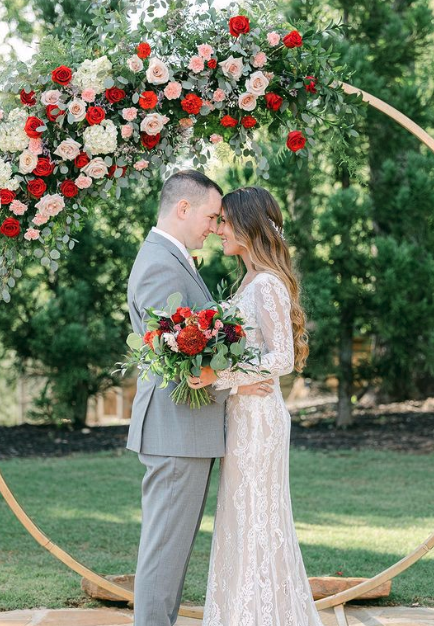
<point>338,600</point>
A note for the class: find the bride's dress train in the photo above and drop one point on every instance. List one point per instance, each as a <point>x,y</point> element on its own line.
<point>257,576</point>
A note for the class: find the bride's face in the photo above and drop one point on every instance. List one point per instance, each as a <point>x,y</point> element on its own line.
<point>225,231</point>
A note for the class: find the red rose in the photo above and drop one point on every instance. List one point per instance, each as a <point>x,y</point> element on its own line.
<point>311,86</point>
<point>273,101</point>
<point>149,141</point>
<point>191,340</point>
<point>205,318</point>
<point>143,50</point>
<point>185,311</point>
<point>148,100</point>
<point>28,98</point>
<point>95,115</point>
<point>293,39</point>
<point>37,187</point>
<point>238,25</point>
<point>45,167</point>
<point>112,170</point>
<point>296,140</point>
<point>228,122</point>
<point>31,125</point>
<point>212,64</point>
<point>68,189</point>
<point>61,75</point>
<point>53,112</point>
<point>10,227</point>
<point>114,94</point>
<point>81,160</point>
<point>192,104</point>
<point>6,196</point>
<point>248,121</point>
<point>177,318</point>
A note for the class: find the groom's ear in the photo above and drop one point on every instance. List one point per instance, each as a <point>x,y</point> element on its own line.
<point>182,208</point>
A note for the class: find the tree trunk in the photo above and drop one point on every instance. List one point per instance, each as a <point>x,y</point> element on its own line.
<point>79,405</point>
<point>345,416</point>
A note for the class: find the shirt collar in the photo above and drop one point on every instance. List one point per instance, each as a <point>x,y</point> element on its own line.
<point>175,241</point>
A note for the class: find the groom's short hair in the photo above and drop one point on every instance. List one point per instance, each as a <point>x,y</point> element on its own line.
<point>188,185</point>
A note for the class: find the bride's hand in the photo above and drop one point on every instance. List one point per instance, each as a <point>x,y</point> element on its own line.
<point>207,377</point>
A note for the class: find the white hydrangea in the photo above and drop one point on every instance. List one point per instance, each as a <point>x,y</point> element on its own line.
<point>6,180</point>
<point>171,341</point>
<point>101,138</point>
<point>92,74</point>
<point>12,135</point>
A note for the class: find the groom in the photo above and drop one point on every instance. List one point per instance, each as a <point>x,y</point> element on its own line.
<point>177,445</point>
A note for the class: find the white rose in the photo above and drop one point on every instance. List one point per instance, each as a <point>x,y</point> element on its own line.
<point>153,123</point>
<point>77,108</point>
<point>28,162</point>
<point>257,84</point>
<point>135,64</point>
<point>50,205</point>
<point>50,97</point>
<point>96,168</point>
<point>157,72</point>
<point>68,149</point>
<point>247,101</point>
<point>232,67</point>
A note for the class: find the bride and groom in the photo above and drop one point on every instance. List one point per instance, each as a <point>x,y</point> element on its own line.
<point>256,574</point>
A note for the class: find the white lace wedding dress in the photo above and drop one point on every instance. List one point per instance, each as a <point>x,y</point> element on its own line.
<point>257,576</point>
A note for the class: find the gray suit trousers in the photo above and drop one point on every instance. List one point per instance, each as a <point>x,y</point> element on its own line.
<point>174,491</point>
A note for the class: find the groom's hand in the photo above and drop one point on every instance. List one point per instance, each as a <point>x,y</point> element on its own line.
<point>264,388</point>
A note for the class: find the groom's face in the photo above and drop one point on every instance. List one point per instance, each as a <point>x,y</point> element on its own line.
<point>202,220</point>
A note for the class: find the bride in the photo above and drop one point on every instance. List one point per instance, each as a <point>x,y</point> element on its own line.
<point>257,576</point>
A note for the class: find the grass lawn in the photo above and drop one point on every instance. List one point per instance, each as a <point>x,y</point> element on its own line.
<point>356,512</point>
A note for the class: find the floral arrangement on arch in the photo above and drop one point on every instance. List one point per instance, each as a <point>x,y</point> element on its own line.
<point>101,110</point>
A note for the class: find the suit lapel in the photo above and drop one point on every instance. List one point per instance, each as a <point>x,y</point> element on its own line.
<point>176,252</point>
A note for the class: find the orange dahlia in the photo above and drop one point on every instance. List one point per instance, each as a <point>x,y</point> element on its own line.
<point>191,340</point>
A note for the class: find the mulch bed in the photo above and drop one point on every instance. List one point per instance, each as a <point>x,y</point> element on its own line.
<point>403,429</point>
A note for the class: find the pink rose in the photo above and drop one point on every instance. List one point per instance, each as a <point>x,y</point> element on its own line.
<point>219,95</point>
<point>172,90</point>
<point>218,324</point>
<point>205,51</point>
<point>31,234</point>
<point>257,84</point>
<point>135,64</point>
<point>17,207</point>
<point>35,146</point>
<point>247,101</point>
<point>196,64</point>
<point>50,205</point>
<point>186,122</point>
<point>260,59</point>
<point>88,95</point>
<point>83,182</point>
<point>129,114</point>
<point>40,219</point>
<point>157,72</point>
<point>153,123</point>
<point>215,138</point>
<point>177,328</point>
<point>269,76</point>
<point>52,96</point>
<point>273,38</point>
<point>141,165</point>
<point>126,131</point>
<point>232,67</point>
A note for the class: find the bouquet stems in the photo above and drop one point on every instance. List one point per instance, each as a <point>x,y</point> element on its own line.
<point>195,398</point>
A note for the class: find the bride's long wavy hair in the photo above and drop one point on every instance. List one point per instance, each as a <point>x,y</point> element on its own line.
<point>257,221</point>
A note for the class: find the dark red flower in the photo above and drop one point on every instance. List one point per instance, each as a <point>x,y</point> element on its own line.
<point>37,187</point>
<point>53,112</point>
<point>296,140</point>
<point>143,50</point>
<point>192,104</point>
<point>61,75</point>
<point>6,196</point>
<point>81,160</point>
<point>293,39</point>
<point>95,115</point>
<point>10,227</point>
<point>191,340</point>
<point>45,167</point>
<point>228,122</point>
<point>68,189</point>
<point>32,124</point>
<point>238,25</point>
<point>248,121</point>
<point>311,86</point>
<point>148,100</point>
<point>212,64</point>
<point>114,94</point>
<point>273,101</point>
<point>149,141</point>
<point>28,98</point>
<point>231,333</point>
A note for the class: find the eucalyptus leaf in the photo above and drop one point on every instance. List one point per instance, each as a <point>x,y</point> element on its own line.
<point>134,341</point>
<point>174,301</point>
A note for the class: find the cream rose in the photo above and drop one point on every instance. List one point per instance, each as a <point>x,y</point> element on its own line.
<point>50,205</point>
<point>135,64</point>
<point>96,168</point>
<point>247,101</point>
<point>28,162</point>
<point>31,234</point>
<point>83,182</point>
<point>68,149</point>
<point>153,123</point>
<point>77,108</point>
<point>17,207</point>
<point>157,72</point>
<point>257,84</point>
<point>232,67</point>
<point>50,97</point>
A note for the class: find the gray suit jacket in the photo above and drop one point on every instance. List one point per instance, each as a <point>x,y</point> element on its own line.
<point>159,426</point>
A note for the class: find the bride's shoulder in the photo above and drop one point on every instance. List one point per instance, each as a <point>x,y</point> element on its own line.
<point>268,282</point>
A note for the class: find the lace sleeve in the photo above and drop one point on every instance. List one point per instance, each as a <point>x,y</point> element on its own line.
<point>273,308</point>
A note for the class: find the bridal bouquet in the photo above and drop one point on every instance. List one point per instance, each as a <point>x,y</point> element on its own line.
<point>181,340</point>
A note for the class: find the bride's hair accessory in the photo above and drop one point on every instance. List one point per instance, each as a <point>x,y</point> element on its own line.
<point>278,230</point>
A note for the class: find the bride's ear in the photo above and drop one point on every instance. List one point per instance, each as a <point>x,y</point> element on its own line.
<point>182,209</point>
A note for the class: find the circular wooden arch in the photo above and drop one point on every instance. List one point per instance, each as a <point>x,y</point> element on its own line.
<point>337,600</point>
